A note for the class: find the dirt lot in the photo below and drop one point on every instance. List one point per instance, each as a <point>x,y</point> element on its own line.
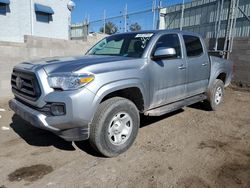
<point>188,148</point>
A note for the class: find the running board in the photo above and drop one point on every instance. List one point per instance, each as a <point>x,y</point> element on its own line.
<point>175,105</point>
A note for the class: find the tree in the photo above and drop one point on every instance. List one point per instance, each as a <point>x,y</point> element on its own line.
<point>110,28</point>
<point>135,27</point>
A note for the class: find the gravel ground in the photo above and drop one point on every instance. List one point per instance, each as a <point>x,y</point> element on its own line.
<point>191,147</point>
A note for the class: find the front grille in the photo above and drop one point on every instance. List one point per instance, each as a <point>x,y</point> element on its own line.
<point>25,84</point>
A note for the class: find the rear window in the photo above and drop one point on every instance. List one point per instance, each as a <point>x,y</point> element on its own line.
<point>193,45</point>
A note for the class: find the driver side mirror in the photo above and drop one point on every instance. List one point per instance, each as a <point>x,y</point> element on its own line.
<point>164,53</point>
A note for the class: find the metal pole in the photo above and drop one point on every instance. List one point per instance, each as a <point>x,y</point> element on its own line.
<point>231,25</point>
<point>219,23</point>
<point>31,18</point>
<point>228,33</point>
<point>216,27</point>
<point>125,17</point>
<point>159,14</point>
<point>104,21</point>
<point>234,25</point>
<point>153,10</point>
<point>88,25</point>
<point>182,14</point>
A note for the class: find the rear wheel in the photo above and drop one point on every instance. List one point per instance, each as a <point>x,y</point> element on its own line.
<point>114,127</point>
<point>216,94</point>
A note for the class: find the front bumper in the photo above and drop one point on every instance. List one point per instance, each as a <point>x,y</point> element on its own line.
<point>80,106</point>
<point>39,120</point>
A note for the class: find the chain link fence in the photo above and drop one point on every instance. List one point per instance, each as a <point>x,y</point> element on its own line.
<point>199,16</point>
<point>146,17</point>
<point>135,21</point>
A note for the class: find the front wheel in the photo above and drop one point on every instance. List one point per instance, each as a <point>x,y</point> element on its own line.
<point>215,94</point>
<point>114,127</point>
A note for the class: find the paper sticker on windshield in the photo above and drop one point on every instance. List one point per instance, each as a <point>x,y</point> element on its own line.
<point>144,35</point>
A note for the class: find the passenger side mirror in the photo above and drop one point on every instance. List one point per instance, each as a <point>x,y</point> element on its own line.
<point>164,53</point>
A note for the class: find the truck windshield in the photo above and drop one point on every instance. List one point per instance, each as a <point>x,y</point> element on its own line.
<point>127,45</point>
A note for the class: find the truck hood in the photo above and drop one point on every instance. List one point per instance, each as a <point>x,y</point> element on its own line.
<point>72,64</point>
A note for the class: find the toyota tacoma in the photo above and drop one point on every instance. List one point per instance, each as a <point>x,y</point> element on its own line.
<point>100,96</point>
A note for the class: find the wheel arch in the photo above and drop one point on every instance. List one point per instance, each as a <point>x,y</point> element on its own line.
<point>131,89</point>
<point>220,74</point>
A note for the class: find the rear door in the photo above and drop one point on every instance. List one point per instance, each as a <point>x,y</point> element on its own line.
<point>198,65</point>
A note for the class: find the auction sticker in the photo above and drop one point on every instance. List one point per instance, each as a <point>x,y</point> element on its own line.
<point>144,35</point>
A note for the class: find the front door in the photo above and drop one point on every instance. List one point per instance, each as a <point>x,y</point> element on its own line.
<point>168,76</point>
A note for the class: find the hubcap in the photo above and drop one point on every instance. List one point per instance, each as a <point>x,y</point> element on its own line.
<point>218,95</point>
<point>120,128</point>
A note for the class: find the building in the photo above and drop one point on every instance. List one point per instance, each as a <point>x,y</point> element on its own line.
<point>225,25</point>
<point>202,16</point>
<point>43,18</point>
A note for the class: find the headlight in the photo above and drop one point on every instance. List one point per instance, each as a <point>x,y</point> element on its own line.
<point>69,81</point>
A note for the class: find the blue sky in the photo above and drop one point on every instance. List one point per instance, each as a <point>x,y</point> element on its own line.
<point>94,10</point>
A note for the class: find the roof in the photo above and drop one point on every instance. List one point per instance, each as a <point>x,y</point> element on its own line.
<point>162,31</point>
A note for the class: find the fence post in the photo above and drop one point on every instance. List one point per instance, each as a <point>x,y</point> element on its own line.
<point>104,21</point>
<point>182,14</point>
<point>125,17</point>
<point>85,30</point>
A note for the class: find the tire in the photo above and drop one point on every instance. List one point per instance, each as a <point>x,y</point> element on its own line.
<point>114,118</point>
<point>215,95</point>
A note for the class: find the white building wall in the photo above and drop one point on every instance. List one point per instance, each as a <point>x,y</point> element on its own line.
<point>17,22</point>
<point>59,27</point>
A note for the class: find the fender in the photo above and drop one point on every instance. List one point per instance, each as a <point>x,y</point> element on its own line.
<point>218,66</point>
<point>213,76</point>
<point>118,85</point>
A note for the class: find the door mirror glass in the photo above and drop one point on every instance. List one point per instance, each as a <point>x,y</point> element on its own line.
<point>164,53</point>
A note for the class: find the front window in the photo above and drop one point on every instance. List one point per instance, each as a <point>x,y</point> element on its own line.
<point>170,41</point>
<point>127,45</point>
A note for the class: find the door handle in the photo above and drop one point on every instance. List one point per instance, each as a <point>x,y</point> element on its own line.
<point>204,64</point>
<point>182,67</point>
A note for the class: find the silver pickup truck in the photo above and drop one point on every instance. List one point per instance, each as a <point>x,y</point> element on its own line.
<point>101,95</point>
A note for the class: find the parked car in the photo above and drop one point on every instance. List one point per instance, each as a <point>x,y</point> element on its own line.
<point>100,95</point>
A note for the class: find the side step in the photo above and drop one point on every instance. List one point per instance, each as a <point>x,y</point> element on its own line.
<point>175,105</point>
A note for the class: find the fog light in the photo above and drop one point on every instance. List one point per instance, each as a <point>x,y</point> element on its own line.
<point>57,109</point>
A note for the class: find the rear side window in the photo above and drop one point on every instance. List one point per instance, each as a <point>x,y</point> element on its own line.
<point>193,45</point>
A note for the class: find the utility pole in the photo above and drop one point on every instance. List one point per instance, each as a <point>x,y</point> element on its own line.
<point>182,14</point>
<point>104,21</point>
<point>153,10</point>
<point>88,19</point>
<point>159,14</point>
<point>125,17</point>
